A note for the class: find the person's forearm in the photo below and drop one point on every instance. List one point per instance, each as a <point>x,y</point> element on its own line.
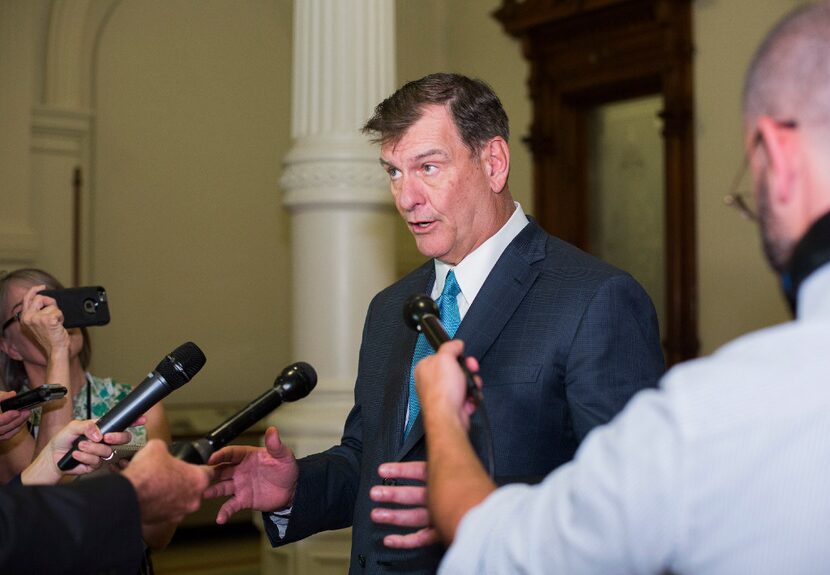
<point>57,414</point>
<point>456,480</point>
<point>158,535</point>
<point>15,454</point>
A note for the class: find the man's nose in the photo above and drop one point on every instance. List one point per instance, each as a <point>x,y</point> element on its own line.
<point>410,193</point>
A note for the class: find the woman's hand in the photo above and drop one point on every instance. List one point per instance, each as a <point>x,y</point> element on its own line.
<point>41,316</point>
<point>94,449</point>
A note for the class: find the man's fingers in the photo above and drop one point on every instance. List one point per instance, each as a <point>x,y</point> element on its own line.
<point>404,495</point>
<point>404,470</point>
<point>232,455</point>
<point>421,538</point>
<point>472,365</point>
<point>417,517</point>
<point>273,443</point>
<point>223,472</point>
<point>453,347</point>
<point>229,508</point>
<point>209,473</point>
<point>220,489</point>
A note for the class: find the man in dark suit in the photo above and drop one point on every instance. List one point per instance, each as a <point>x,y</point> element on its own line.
<point>564,339</point>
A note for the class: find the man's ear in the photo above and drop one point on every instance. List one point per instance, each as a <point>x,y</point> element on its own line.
<point>496,158</point>
<point>780,148</point>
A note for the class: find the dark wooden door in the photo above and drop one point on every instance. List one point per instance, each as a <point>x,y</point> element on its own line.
<point>587,53</point>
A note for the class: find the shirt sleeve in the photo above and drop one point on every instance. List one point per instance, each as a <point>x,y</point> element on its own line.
<point>280,520</point>
<point>614,509</point>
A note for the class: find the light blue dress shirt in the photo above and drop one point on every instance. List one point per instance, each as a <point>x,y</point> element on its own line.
<point>725,469</point>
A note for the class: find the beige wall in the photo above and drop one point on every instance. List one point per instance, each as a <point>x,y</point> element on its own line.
<point>738,293</point>
<point>189,234</point>
<point>191,111</point>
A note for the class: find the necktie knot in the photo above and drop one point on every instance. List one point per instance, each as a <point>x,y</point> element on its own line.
<point>451,289</point>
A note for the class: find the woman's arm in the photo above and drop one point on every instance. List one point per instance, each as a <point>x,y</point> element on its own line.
<point>16,453</point>
<point>42,317</point>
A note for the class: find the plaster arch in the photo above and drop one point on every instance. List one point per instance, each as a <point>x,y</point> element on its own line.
<point>74,31</point>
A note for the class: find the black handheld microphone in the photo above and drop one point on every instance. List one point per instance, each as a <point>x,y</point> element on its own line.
<point>171,373</point>
<point>295,382</point>
<point>421,314</point>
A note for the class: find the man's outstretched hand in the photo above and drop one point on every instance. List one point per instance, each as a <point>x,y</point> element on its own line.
<point>258,478</point>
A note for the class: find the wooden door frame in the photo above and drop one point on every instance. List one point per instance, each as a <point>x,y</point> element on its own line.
<point>585,53</point>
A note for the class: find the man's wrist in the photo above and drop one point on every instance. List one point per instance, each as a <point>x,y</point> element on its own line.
<point>443,418</point>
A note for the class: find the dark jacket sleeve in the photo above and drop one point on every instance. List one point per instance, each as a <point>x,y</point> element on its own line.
<point>615,353</point>
<point>89,526</point>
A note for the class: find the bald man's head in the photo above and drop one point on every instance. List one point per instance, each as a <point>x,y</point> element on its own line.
<point>789,78</point>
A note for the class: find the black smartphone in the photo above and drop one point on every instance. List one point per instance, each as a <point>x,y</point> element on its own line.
<point>81,306</point>
<point>33,397</point>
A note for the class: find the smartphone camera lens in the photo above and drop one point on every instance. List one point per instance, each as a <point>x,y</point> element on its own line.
<point>90,305</point>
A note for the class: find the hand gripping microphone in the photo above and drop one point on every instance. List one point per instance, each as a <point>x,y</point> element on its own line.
<point>171,373</point>
<point>295,382</point>
<point>421,314</point>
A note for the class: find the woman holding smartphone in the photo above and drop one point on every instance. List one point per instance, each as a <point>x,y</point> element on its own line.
<point>36,349</point>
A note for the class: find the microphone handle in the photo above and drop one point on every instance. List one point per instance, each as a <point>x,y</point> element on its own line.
<point>436,335</point>
<point>197,452</point>
<point>236,425</point>
<point>152,390</point>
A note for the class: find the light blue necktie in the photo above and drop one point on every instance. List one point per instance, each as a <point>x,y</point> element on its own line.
<point>448,308</point>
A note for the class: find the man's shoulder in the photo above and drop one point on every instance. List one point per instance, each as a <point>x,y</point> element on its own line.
<point>560,261</point>
<point>773,373</point>
<point>563,255</point>
<point>417,281</point>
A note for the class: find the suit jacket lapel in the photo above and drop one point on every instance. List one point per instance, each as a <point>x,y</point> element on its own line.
<point>505,288</point>
<point>503,291</point>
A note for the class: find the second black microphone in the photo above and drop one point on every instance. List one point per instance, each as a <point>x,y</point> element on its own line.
<point>295,382</point>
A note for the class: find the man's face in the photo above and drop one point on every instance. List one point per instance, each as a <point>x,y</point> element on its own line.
<point>777,246</point>
<point>441,188</point>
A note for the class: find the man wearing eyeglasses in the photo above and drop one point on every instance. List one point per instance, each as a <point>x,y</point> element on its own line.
<point>725,468</point>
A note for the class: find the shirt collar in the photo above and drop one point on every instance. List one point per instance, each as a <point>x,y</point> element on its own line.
<point>812,295</point>
<point>472,271</point>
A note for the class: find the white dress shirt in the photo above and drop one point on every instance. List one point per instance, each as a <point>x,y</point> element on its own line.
<point>725,469</point>
<point>472,271</point>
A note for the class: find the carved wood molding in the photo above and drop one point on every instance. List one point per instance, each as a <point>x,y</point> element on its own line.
<point>584,53</point>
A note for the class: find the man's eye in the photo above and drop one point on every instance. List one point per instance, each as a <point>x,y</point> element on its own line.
<point>430,168</point>
<point>394,173</point>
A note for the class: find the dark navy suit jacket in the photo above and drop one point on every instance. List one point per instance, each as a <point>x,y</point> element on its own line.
<point>563,341</point>
<point>90,526</point>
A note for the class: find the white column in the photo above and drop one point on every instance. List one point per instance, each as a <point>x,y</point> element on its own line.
<point>342,220</point>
